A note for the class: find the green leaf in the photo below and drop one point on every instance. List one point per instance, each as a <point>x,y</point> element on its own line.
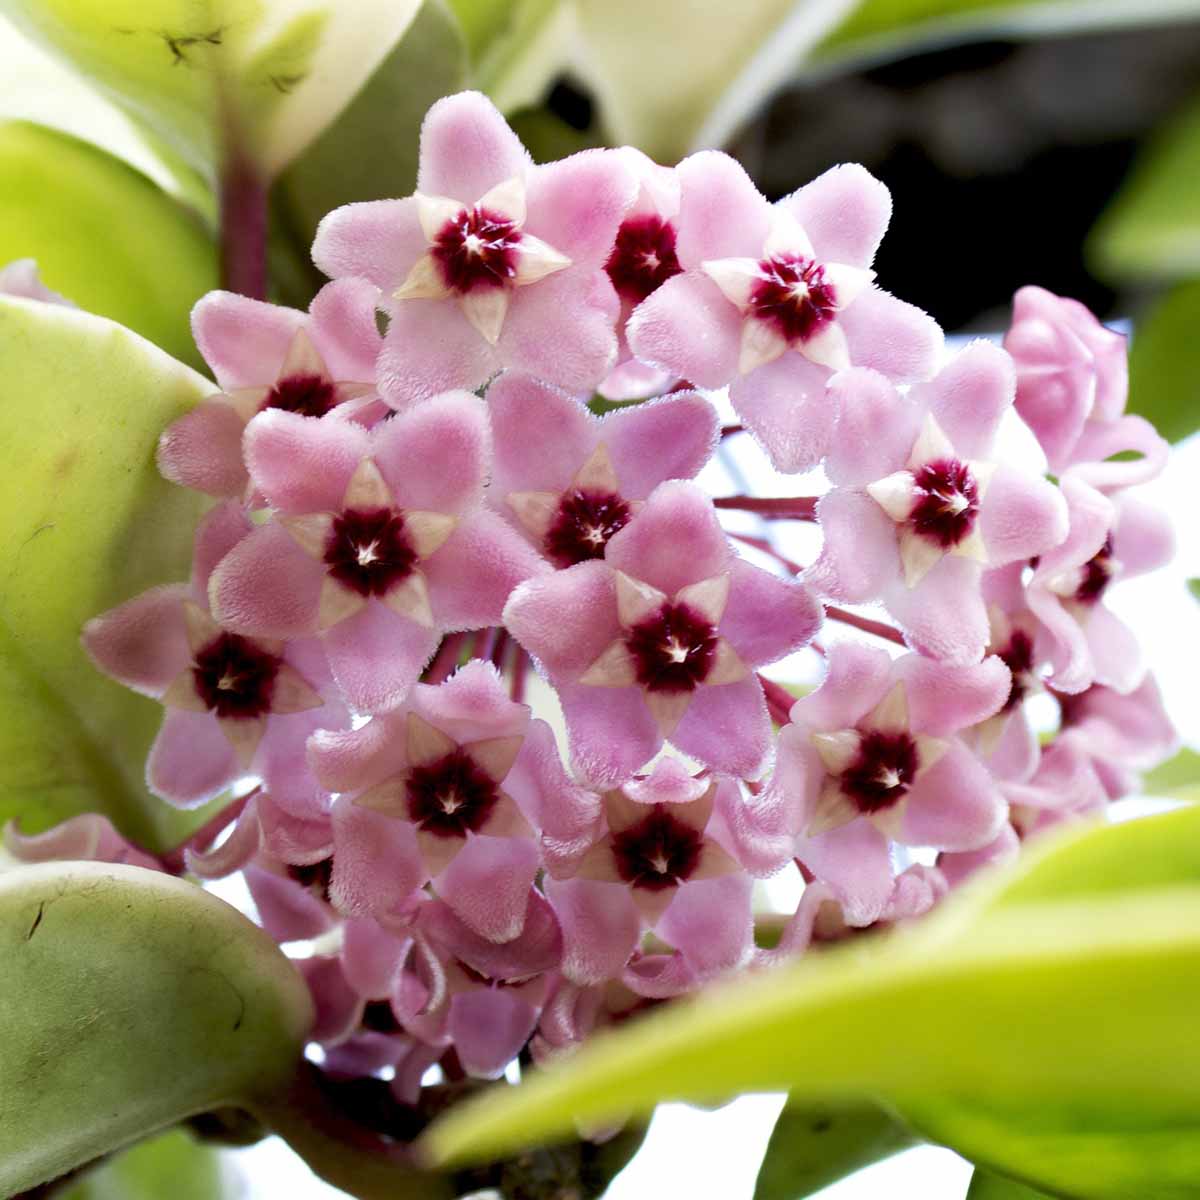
<point>370,152</point>
<point>251,79</point>
<point>1176,779</point>
<point>1164,363</point>
<point>1151,229</point>
<point>131,1000</point>
<point>101,233</point>
<point>986,1186</point>
<point>815,1145</point>
<point>173,1165</point>
<point>1194,587</point>
<point>86,523</point>
<point>987,1026</point>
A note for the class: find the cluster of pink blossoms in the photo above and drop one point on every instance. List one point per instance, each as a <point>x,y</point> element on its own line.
<point>406,520</point>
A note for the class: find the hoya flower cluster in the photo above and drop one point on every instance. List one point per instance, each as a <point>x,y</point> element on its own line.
<point>406,520</point>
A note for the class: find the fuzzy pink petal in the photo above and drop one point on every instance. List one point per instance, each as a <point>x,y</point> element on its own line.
<point>339,1008</point>
<point>785,407</point>
<point>577,203</point>
<point>1116,653</point>
<point>727,728</point>
<point>943,699</point>
<point>371,956</point>
<point>302,465</point>
<point>1143,537</point>
<point>1100,440</point>
<point>659,976</point>
<point>375,864</point>
<point>376,656</point>
<point>969,395</point>
<point>600,928</point>
<point>87,837</point>
<point>287,911</point>
<point>378,240</point>
<point>611,731</point>
<point>955,805</point>
<point>877,426</point>
<point>537,949</point>
<point>1016,754</point>
<point>1092,516</point>
<point>668,438</point>
<point>434,457</point>
<point>689,328</point>
<point>859,556</point>
<point>759,830</point>
<point>244,341</point>
<point>267,586</point>
<point>345,330</point>
<point>1021,517</point>
<point>467,148</point>
<point>631,379</point>
<point>891,336</point>
<point>281,762</point>
<point>1066,646</point>
<point>957,867</point>
<point>143,642</point>
<point>565,619</point>
<point>709,923</point>
<point>218,532</point>
<point>676,540</point>
<point>562,329</point>
<point>203,450</point>
<point>487,885</point>
<point>857,677</point>
<point>191,760</point>
<point>944,615</point>
<point>290,840</point>
<point>472,705</point>
<point>430,348</point>
<point>766,616</point>
<point>352,760</point>
<point>845,213</point>
<point>239,847</point>
<point>489,1027</point>
<point>854,860</point>
<point>721,212</point>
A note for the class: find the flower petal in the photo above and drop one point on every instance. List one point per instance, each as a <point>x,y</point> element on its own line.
<point>377,240</point>
<point>244,341</point>
<point>191,760</point>
<point>377,655</point>
<point>845,213</point>
<point>721,212</point>
<point>467,148</point>
<point>892,337</point>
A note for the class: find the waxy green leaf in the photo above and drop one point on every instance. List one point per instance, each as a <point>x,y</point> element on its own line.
<point>86,522</point>
<point>986,1186</point>
<point>173,1164</point>
<point>131,1000</point>
<point>1164,363</point>
<point>1176,779</point>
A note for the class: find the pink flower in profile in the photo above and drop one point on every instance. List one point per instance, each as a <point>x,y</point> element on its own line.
<point>870,757</point>
<point>660,641</point>
<point>235,705</point>
<point>657,867</point>
<point>775,298</point>
<point>20,278</point>
<point>920,509</point>
<point>88,837</point>
<point>582,478</point>
<point>492,263</point>
<point>1072,383</point>
<point>266,356</point>
<point>378,543</point>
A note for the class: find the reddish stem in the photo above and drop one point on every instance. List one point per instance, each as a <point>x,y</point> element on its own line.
<point>446,659</point>
<point>766,547</point>
<point>729,430</point>
<point>243,224</point>
<point>175,860</point>
<point>499,646</point>
<point>779,700</point>
<point>879,628</point>
<point>520,668</point>
<point>791,508</point>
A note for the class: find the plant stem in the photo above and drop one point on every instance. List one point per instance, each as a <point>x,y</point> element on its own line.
<point>243,219</point>
<point>793,508</point>
<point>779,700</point>
<point>879,628</point>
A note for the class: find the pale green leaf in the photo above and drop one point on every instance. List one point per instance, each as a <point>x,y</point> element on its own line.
<point>102,234</point>
<point>986,1186</point>
<point>1194,587</point>
<point>1176,779</point>
<point>172,1165</point>
<point>1164,363</point>
<point>250,79</point>
<point>131,1000</point>
<point>814,1145</point>
<point>87,523</point>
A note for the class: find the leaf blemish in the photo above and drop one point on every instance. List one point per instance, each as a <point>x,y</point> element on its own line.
<point>822,1125</point>
<point>37,920</point>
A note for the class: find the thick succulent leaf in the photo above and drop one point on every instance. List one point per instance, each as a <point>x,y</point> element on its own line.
<point>1164,362</point>
<point>814,1145</point>
<point>370,152</point>
<point>1179,777</point>
<point>101,233</point>
<point>87,523</point>
<point>173,1164</point>
<point>967,1024</point>
<point>986,1186</point>
<point>255,79</point>
<point>1194,587</point>
<point>131,1000</point>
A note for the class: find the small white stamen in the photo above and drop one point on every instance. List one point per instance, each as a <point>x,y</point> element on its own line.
<point>450,803</point>
<point>473,243</point>
<point>227,682</point>
<point>888,777</point>
<point>368,554</point>
<point>675,651</point>
<point>954,503</point>
<point>593,534</point>
<point>660,863</point>
<point>799,291</point>
<point>650,260</point>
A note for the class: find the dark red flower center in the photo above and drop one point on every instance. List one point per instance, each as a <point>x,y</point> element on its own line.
<point>368,550</point>
<point>316,877</point>
<point>1018,657</point>
<point>947,501</point>
<point>478,248</point>
<point>660,851</point>
<point>583,524</point>
<point>1097,575</point>
<point>643,257</point>
<point>235,677</point>
<point>451,796</point>
<point>883,771</point>
<point>673,650</point>
<point>793,294</point>
<point>308,395</point>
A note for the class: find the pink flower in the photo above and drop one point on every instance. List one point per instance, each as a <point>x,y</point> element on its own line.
<point>378,542</point>
<point>660,641</point>
<point>88,837</point>
<point>1072,382</point>
<point>775,298</point>
<point>268,357</point>
<point>920,509</point>
<point>20,278</point>
<point>491,263</point>
<point>235,704</point>
<point>582,478</point>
